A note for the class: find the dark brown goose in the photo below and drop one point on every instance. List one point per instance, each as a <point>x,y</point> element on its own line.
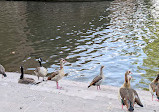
<point>98,79</point>
<point>56,76</point>
<point>24,80</point>
<point>126,94</point>
<point>2,71</point>
<point>154,87</point>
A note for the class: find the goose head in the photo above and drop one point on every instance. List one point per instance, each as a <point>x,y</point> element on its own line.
<point>62,62</point>
<point>101,70</point>
<point>128,72</point>
<point>102,67</point>
<point>126,76</point>
<point>40,60</point>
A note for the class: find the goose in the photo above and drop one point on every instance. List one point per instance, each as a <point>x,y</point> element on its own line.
<point>2,71</point>
<point>154,87</point>
<point>137,99</point>
<point>24,80</point>
<point>40,71</point>
<point>98,79</point>
<point>56,76</point>
<point>126,94</point>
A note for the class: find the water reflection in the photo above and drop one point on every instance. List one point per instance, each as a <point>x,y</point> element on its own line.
<point>118,34</point>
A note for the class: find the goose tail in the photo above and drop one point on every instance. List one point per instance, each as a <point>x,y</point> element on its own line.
<point>131,108</point>
<point>4,75</point>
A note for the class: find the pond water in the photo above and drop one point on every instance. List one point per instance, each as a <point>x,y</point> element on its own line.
<point>121,35</point>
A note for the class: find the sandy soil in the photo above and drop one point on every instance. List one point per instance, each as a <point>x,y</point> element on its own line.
<point>73,97</point>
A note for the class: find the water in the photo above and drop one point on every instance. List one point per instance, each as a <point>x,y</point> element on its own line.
<point>121,35</point>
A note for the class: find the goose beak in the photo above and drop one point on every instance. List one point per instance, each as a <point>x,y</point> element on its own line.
<point>65,61</point>
<point>131,77</point>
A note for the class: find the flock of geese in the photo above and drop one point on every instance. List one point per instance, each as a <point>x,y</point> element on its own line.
<point>127,95</point>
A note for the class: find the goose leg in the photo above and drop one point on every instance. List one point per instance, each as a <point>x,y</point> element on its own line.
<point>2,76</point>
<point>38,77</point>
<point>43,78</point>
<point>122,106</point>
<point>99,87</point>
<point>152,97</point>
<point>58,87</point>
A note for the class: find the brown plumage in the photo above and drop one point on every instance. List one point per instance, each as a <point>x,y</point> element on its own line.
<point>154,87</point>
<point>56,76</point>
<point>53,75</point>
<point>98,79</point>
<point>127,94</point>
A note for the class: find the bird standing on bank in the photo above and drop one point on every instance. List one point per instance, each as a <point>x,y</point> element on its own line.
<point>154,87</point>
<point>56,76</point>
<point>24,80</point>
<point>98,79</point>
<point>40,71</point>
<point>126,94</point>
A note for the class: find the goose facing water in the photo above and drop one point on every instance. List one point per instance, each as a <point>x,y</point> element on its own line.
<point>98,79</point>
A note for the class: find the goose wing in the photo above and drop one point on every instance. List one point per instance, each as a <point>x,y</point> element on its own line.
<point>152,87</point>
<point>137,99</point>
<point>53,75</point>
<point>95,80</point>
<point>26,81</point>
<point>2,69</point>
<point>157,91</point>
<point>127,97</point>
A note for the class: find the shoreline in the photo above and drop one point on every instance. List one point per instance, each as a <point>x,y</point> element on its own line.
<point>73,97</point>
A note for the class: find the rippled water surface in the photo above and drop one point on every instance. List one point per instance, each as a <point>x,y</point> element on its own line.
<point>121,35</point>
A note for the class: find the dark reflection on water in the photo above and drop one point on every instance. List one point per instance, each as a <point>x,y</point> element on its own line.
<point>119,34</point>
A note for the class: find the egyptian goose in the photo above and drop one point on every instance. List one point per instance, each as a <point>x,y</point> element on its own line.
<point>98,79</point>
<point>2,71</point>
<point>40,71</point>
<point>154,87</point>
<point>24,80</point>
<point>127,94</point>
<point>56,76</point>
<point>137,99</point>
